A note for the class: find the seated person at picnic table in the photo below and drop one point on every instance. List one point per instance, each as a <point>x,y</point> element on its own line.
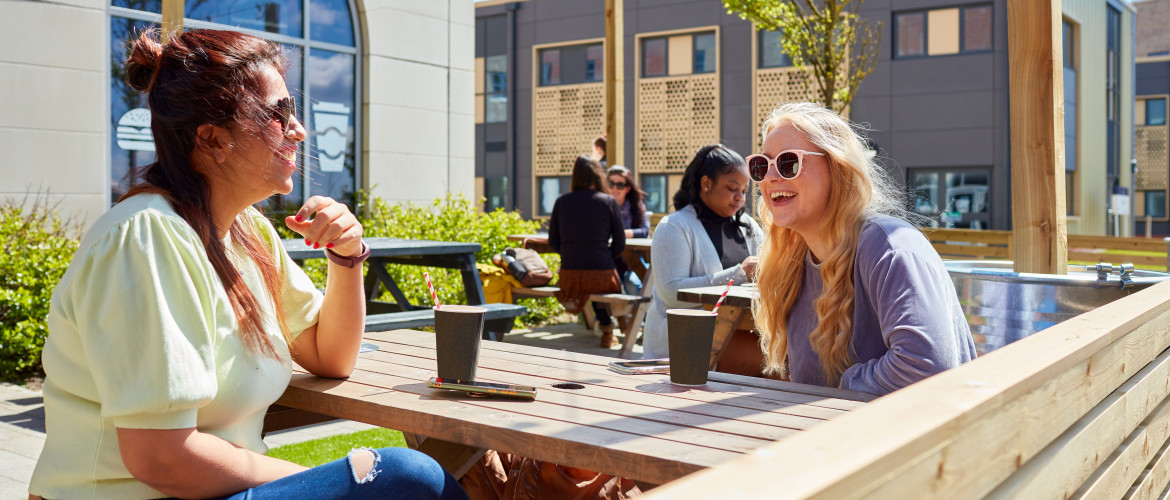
<point>635,219</point>
<point>851,295</point>
<point>176,325</point>
<point>708,240</point>
<point>586,229</point>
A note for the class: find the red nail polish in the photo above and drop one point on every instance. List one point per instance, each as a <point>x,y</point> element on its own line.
<point>308,243</point>
<point>316,245</point>
<point>300,218</point>
<point>329,245</point>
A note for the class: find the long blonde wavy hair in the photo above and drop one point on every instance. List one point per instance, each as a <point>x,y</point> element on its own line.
<point>856,186</point>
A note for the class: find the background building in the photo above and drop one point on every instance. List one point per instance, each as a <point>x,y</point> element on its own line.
<point>1151,132</point>
<point>937,101</point>
<point>385,91</point>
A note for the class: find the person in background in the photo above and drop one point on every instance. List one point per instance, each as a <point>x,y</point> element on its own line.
<point>708,240</point>
<point>178,320</point>
<point>851,295</point>
<point>599,151</point>
<point>635,219</point>
<point>586,229</point>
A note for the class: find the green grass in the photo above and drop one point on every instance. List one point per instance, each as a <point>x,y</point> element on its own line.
<point>324,450</point>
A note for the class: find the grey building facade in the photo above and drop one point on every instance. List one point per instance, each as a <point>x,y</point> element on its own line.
<point>936,104</point>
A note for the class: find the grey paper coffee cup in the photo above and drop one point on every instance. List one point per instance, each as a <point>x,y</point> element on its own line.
<point>457,333</point>
<point>691,332</point>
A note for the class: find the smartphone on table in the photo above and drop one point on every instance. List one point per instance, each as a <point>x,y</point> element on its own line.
<point>637,366</point>
<point>483,388</point>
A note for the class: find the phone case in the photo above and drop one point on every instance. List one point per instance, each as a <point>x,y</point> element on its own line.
<point>484,388</point>
<point>641,366</point>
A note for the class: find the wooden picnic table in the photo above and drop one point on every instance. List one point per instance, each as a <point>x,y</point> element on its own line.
<point>735,313</point>
<point>636,426</point>
<point>636,252</point>
<point>386,251</point>
<point>382,315</point>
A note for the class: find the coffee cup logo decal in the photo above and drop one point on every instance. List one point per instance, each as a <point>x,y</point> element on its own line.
<point>133,131</point>
<point>331,128</point>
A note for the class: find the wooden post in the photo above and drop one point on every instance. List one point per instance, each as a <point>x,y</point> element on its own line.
<point>172,18</point>
<point>615,83</point>
<point>1037,136</point>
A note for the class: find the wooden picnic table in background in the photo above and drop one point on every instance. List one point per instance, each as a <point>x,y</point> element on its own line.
<point>386,251</point>
<point>637,426</point>
<point>734,315</point>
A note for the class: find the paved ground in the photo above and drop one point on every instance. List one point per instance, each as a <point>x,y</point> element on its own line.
<point>22,416</point>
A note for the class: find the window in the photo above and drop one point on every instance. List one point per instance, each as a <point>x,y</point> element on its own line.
<point>654,57</point>
<point>550,67</point>
<point>1155,111</point>
<point>936,32</point>
<point>496,81</point>
<point>771,53</point>
<point>495,193</point>
<point>1070,188</point>
<point>1070,100</point>
<point>574,64</point>
<point>320,49</point>
<point>953,198</point>
<point>911,30</point>
<point>1112,92</point>
<point>657,199</point>
<point>1155,204</point>
<point>594,63</point>
<point>704,50</point>
<point>550,189</point>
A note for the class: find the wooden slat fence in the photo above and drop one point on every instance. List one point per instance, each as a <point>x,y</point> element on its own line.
<point>1079,410</point>
<point>1148,253</point>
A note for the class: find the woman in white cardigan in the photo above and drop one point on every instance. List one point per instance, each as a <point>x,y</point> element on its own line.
<point>708,240</point>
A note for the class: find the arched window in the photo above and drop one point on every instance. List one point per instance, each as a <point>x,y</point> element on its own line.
<point>322,74</point>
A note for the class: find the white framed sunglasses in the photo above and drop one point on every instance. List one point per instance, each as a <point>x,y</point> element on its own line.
<point>788,164</point>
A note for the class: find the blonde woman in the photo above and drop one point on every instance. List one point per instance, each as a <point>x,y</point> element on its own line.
<point>850,295</point>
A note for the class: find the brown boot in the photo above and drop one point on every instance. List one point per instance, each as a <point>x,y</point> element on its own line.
<point>607,340</point>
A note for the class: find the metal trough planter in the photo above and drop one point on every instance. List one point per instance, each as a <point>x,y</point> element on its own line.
<point>1003,306</point>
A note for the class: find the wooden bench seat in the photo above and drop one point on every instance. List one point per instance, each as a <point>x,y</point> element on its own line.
<point>497,322</point>
<point>630,310</point>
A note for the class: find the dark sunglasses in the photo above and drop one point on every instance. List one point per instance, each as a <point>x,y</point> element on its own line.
<point>619,185</point>
<point>284,110</point>
<point>788,164</point>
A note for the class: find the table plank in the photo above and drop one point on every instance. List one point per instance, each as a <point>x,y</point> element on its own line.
<point>533,358</point>
<point>388,247</point>
<point>469,423</point>
<point>770,426</point>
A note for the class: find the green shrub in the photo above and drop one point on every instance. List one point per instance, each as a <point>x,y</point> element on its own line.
<point>35,249</point>
<point>446,219</point>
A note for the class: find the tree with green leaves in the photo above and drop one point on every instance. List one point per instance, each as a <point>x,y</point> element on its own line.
<point>827,36</point>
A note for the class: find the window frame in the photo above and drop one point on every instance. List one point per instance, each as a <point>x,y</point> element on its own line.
<point>963,51</point>
<point>306,45</point>
<point>759,43</point>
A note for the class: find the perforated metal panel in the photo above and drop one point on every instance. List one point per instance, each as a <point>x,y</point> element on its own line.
<point>676,116</point>
<point>779,85</point>
<point>565,120</point>
<point>1153,156</point>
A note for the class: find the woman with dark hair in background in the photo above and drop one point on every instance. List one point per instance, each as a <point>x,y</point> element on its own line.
<point>586,229</point>
<point>599,150</point>
<point>635,219</point>
<point>175,327</point>
<point>708,240</point>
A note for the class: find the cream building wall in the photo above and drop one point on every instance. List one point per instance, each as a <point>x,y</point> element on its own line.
<point>53,78</point>
<point>419,102</point>
<point>417,98</point>
<point>1089,18</point>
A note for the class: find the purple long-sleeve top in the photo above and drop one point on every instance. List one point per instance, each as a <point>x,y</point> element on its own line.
<point>907,321</point>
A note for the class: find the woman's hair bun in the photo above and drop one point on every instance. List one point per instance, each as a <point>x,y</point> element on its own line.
<point>144,56</point>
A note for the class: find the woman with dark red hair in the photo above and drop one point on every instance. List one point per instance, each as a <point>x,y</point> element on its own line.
<point>176,324</point>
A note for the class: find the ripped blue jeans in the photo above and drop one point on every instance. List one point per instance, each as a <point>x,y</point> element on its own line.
<point>397,473</point>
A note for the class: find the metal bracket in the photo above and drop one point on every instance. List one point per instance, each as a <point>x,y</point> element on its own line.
<point>1103,270</point>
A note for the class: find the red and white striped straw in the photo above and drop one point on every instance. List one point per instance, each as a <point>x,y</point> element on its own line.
<point>721,297</point>
<point>434,296</point>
